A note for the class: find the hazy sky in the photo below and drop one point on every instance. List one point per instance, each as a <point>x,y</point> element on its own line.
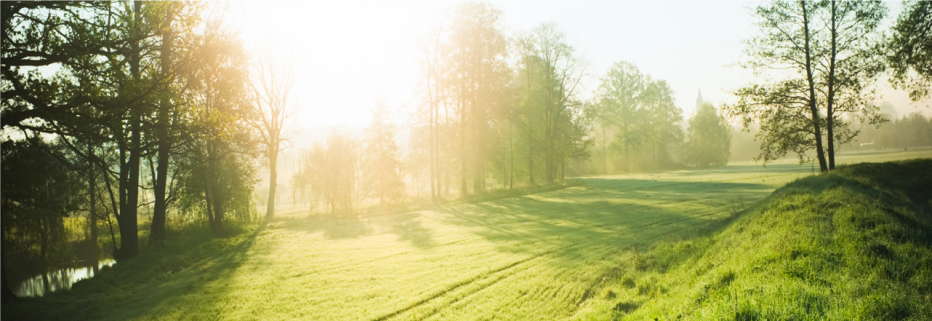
<point>353,53</point>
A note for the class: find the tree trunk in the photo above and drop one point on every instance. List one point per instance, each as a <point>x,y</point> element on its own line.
<point>463,159</point>
<point>92,213</point>
<point>157,231</point>
<point>830,112</point>
<point>604,151</point>
<point>432,150</point>
<point>207,201</point>
<point>627,154</point>
<point>8,294</point>
<point>273,181</point>
<point>530,153</point>
<point>813,109</point>
<point>129,230</point>
<point>129,234</point>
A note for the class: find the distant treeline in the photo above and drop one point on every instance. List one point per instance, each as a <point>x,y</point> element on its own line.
<point>910,131</point>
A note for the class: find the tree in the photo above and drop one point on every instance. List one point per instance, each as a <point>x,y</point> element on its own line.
<point>217,149</point>
<point>708,139</point>
<point>274,77</point>
<point>333,172</point>
<point>382,164</point>
<point>910,48</point>
<point>618,100</point>
<point>825,47</point>
<point>562,72</point>
<point>664,118</point>
<point>477,52</point>
<point>40,188</point>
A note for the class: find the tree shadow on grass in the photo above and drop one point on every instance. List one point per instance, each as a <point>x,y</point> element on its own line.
<point>408,226</point>
<point>605,213</point>
<point>333,226</point>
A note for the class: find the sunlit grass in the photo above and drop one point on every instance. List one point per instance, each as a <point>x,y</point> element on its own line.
<point>569,253</point>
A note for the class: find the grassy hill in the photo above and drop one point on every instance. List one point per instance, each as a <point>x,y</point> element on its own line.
<point>853,244</point>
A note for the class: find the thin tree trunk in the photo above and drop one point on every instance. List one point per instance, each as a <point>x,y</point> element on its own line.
<point>511,152</point>
<point>604,151</point>
<point>830,115</point>
<point>273,181</point>
<point>530,153</point>
<point>463,159</point>
<point>92,188</point>
<point>813,109</point>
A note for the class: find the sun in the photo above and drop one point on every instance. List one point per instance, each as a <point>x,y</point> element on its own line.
<point>349,54</point>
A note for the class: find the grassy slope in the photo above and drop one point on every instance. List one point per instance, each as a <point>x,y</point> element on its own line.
<point>848,245</point>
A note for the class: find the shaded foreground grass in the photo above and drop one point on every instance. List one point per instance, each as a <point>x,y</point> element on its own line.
<point>854,244</point>
<point>552,255</point>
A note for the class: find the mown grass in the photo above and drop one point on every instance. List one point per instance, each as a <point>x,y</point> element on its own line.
<point>579,252</point>
<point>855,244</point>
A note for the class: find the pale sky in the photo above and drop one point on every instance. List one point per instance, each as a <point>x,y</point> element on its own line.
<point>353,53</point>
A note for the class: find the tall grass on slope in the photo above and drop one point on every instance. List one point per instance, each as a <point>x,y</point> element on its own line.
<point>853,244</point>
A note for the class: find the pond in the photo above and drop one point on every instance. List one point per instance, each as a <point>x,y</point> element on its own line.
<point>59,279</point>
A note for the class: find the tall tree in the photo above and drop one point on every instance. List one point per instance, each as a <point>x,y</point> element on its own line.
<point>708,138</point>
<point>273,80</point>
<point>619,103</point>
<point>664,117</point>
<point>825,48</point>
<point>562,72</point>
<point>218,146</point>
<point>852,66</point>
<point>477,53</point>
<point>163,127</point>
<point>382,166</point>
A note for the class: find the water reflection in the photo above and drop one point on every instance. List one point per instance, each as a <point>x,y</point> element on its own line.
<point>59,279</point>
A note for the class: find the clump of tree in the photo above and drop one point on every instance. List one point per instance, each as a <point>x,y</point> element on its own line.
<point>827,49</point>
<point>910,131</point>
<point>147,108</point>
<point>331,173</point>
<point>708,139</point>
<point>641,114</point>
<point>40,188</point>
<point>486,119</point>
<point>382,164</point>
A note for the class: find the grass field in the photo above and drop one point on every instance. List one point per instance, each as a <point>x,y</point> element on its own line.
<point>539,256</point>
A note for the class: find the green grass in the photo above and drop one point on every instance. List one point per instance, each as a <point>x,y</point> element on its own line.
<point>613,244</point>
<point>855,244</point>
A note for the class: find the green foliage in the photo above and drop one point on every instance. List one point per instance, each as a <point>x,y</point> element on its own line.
<point>910,48</point>
<point>39,191</point>
<point>642,114</point>
<point>708,139</point>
